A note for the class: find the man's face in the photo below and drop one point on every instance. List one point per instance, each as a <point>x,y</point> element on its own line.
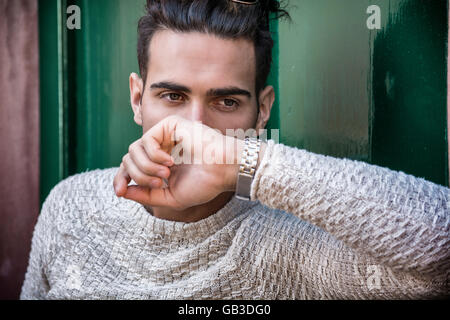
<point>202,78</point>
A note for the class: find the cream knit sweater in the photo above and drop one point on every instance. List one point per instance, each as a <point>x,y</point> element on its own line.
<point>319,228</point>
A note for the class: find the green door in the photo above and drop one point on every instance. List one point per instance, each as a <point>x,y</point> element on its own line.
<point>373,95</point>
<point>342,89</point>
<point>87,121</point>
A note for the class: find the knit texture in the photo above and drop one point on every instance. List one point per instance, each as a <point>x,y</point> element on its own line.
<point>318,228</point>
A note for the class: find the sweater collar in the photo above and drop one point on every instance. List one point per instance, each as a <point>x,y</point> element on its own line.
<point>201,229</point>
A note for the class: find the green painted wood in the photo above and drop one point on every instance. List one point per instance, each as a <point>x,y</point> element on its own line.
<point>105,56</point>
<point>86,118</point>
<point>409,86</point>
<point>324,71</point>
<point>370,95</point>
<point>274,121</point>
<point>53,95</point>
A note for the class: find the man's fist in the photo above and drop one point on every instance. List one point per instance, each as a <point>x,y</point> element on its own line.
<point>198,163</point>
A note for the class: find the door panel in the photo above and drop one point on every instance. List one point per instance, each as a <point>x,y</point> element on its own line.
<point>372,95</point>
<point>342,89</point>
<point>87,117</point>
<point>105,56</point>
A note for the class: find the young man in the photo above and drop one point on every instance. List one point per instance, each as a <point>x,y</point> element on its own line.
<point>317,227</point>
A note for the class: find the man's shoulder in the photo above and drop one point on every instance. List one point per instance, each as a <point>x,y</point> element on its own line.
<point>82,193</point>
<point>93,182</point>
<point>74,206</point>
<point>78,201</point>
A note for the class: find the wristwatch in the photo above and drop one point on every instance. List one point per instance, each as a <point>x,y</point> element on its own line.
<point>247,168</point>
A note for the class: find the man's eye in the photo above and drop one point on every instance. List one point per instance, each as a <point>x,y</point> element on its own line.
<point>172,96</point>
<point>228,103</point>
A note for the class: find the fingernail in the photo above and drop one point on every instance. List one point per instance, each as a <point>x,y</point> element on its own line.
<point>168,163</point>
<point>116,190</point>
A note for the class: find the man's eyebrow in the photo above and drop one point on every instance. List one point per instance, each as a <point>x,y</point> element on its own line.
<point>228,91</point>
<point>170,85</point>
<point>215,92</point>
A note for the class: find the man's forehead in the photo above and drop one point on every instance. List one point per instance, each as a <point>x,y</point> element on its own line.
<point>201,54</point>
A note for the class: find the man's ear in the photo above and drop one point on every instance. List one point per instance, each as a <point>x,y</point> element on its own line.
<point>266,99</point>
<point>136,92</point>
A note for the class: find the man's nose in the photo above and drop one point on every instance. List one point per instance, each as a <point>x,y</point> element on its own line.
<point>196,112</point>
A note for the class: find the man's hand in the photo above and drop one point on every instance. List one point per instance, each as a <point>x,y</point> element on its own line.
<point>198,162</point>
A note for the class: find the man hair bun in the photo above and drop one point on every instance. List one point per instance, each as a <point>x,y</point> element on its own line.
<point>274,7</point>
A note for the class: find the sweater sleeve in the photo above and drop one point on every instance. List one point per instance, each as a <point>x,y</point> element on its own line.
<point>399,220</point>
<point>43,248</point>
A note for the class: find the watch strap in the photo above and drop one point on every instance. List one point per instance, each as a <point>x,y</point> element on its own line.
<point>247,168</point>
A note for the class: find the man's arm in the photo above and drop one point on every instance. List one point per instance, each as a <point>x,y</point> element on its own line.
<point>43,247</point>
<point>401,221</point>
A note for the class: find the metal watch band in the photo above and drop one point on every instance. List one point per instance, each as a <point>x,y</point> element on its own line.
<point>247,168</point>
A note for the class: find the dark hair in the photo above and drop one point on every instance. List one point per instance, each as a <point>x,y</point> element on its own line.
<point>224,18</point>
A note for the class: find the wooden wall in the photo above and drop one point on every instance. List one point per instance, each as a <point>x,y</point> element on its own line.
<point>19,140</point>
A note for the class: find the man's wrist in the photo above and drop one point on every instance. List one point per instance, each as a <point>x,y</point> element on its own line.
<point>234,148</point>
<point>232,170</point>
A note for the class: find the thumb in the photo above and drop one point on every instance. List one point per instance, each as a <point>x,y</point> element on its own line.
<point>121,181</point>
<point>147,196</point>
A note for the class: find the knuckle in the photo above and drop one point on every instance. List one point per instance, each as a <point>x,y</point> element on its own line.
<point>136,176</point>
<point>148,168</point>
<point>135,145</point>
<point>153,156</point>
<point>145,142</point>
<point>151,150</point>
<point>131,148</point>
<point>138,179</point>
